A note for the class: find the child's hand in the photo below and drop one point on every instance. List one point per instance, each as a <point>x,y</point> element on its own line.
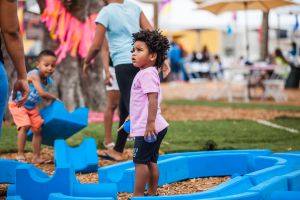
<point>49,102</point>
<point>127,119</point>
<point>150,130</point>
<point>85,68</point>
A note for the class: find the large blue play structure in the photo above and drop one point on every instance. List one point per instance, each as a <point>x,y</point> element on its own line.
<point>84,157</point>
<point>59,123</point>
<point>259,175</point>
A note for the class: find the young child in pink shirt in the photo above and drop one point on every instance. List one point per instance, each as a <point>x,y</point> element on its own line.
<point>149,53</point>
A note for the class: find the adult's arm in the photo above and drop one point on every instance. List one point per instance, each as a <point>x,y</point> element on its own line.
<point>105,62</point>
<point>95,48</point>
<point>145,24</point>
<point>12,36</point>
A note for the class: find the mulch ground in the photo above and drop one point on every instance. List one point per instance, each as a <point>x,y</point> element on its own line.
<point>182,187</point>
<point>184,113</point>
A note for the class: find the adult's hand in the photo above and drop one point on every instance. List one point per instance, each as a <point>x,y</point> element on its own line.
<point>21,85</point>
<point>166,69</point>
<point>85,68</point>
<point>108,76</point>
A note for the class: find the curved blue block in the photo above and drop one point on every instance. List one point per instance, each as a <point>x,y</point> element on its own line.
<point>199,195</point>
<point>84,157</point>
<point>235,175</point>
<point>293,160</point>
<point>234,186</point>
<point>14,198</point>
<point>252,155</point>
<point>30,186</point>
<point>218,165</point>
<point>59,123</point>
<point>123,174</point>
<point>243,196</point>
<point>283,195</point>
<point>100,190</point>
<point>268,173</point>
<point>59,196</point>
<point>274,184</point>
<point>8,171</point>
<point>262,162</point>
<point>293,180</point>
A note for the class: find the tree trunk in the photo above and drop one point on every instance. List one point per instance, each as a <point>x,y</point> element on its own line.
<point>265,37</point>
<point>69,83</point>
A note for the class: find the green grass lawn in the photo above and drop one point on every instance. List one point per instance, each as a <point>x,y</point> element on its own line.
<point>193,136</point>
<point>233,105</point>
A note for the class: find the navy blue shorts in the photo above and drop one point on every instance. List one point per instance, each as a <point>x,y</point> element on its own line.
<point>144,152</point>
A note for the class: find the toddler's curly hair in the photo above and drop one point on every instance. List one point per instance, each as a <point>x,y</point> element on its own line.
<point>156,43</point>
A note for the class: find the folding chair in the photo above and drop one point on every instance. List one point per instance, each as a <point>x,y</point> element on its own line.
<point>239,76</point>
<point>217,78</point>
<point>192,70</point>
<point>274,85</point>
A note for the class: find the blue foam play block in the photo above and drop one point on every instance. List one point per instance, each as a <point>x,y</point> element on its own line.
<point>59,196</point>
<point>14,198</point>
<point>268,173</point>
<point>262,162</point>
<point>293,180</point>
<point>8,171</point>
<point>232,187</point>
<point>266,188</point>
<point>30,186</point>
<point>243,196</point>
<point>84,157</point>
<point>200,195</point>
<point>59,123</point>
<point>123,174</point>
<point>293,160</point>
<point>218,164</point>
<point>93,190</point>
<point>252,155</point>
<point>285,195</point>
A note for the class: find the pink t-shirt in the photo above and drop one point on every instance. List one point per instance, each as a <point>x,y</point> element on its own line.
<point>146,81</point>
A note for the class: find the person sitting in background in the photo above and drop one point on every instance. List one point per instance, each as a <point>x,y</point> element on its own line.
<point>205,55</point>
<point>280,60</point>
<point>294,49</point>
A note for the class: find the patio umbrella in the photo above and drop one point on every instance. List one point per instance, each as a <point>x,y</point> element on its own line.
<point>219,6</point>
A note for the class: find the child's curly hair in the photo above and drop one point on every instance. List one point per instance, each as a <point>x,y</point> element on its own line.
<point>156,43</point>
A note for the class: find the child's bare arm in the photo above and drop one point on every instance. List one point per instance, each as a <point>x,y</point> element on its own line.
<point>152,111</point>
<point>36,81</point>
<point>95,48</point>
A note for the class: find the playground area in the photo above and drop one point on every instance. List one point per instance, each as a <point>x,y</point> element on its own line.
<point>222,125</point>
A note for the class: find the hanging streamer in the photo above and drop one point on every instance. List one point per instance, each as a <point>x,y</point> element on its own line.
<point>73,35</point>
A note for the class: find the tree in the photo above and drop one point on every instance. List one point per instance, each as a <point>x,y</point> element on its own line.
<point>69,83</point>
